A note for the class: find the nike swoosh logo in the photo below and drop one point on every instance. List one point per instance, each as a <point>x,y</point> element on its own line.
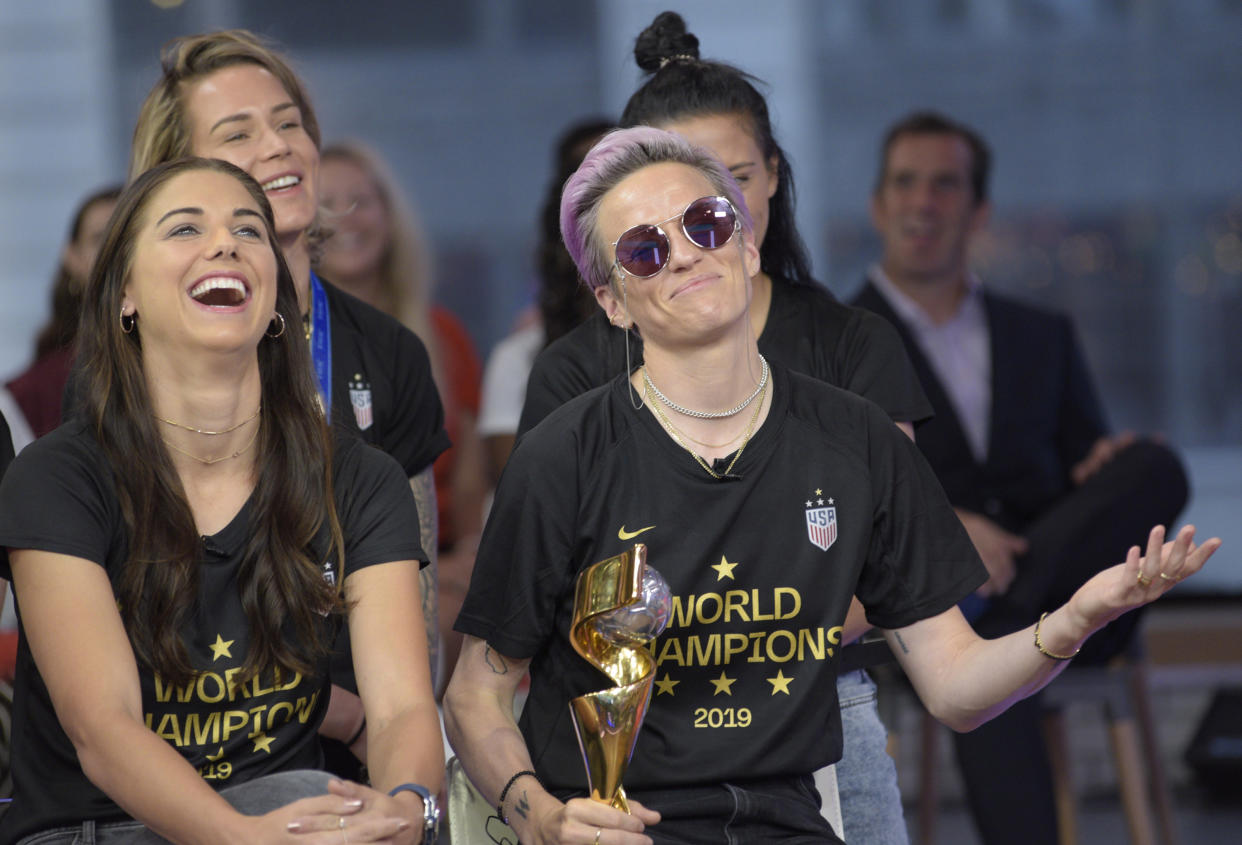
<point>622,534</point>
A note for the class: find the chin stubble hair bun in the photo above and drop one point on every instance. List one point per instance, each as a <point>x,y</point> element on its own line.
<point>664,41</point>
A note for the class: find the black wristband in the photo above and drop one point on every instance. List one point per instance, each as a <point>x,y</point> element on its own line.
<point>349,743</point>
<point>500,805</point>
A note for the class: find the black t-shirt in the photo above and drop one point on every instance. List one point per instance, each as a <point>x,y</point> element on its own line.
<point>831,500</point>
<point>807,330</point>
<point>382,389</point>
<point>6,457</point>
<point>60,496</point>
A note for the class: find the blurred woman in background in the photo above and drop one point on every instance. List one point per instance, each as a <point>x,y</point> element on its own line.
<point>37,392</point>
<point>376,250</point>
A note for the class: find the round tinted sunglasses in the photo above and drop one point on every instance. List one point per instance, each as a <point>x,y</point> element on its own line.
<point>708,222</point>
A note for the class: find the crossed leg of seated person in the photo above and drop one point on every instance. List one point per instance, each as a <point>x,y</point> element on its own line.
<point>1004,764</point>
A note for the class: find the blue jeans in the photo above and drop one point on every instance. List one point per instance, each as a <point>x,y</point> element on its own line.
<point>253,798</point>
<point>866,776</point>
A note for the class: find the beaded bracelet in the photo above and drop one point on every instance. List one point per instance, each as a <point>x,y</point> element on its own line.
<point>500,807</point>
<point>1045,652</point>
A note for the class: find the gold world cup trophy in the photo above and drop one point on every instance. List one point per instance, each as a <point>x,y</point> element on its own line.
<point>620,604</point>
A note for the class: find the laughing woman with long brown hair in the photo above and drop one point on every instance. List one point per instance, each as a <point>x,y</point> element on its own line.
<point>183,552</point>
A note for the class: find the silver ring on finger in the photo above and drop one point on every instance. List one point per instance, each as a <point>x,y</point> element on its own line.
<point>1171,578</point>
<point>598,831</point>
<point>344,835</point>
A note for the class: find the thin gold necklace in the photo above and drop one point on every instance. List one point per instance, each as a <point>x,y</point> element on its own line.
<point>211,433</point>
<point>210,461</point>
<point>750,428</point>
<point>732,439</point>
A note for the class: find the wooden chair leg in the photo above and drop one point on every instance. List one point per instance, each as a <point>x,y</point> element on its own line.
<point>1057,742</point>
<point>1162,799</point>
<point>929,784</point>
<point>1134,800</point>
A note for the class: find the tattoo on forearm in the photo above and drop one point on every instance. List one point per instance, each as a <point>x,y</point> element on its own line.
<point>495,661</point>
<point>522,807</point>
<point>901,642</point>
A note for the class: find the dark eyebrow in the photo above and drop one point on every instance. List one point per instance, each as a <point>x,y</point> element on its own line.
<point>250,212</point>
<point>741,164</point>
<point>187,210</point>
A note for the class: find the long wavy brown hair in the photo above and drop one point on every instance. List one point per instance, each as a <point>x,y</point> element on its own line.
<point>279,581</point>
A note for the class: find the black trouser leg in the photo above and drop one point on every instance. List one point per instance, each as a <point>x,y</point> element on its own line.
<point>1004,764</point>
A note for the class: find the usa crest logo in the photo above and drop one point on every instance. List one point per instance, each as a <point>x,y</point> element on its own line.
<point>360,400</point>
<point>821,521</point>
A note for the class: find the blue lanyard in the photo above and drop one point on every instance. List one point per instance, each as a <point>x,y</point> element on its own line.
<point>321,342</point>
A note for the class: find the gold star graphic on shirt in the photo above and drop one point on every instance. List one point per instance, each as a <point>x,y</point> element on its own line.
<point>818,492</point>
<point>724,569</point>
<point>262,742</point>
<point>723,684</point>
<point>780,683</point>
<point>220,648</point>
<point>218,756</point>
<point>666,685</point>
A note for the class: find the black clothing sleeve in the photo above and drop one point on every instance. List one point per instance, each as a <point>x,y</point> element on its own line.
<point>375,506</point>
<point>585,358</point>
<point>6,458</point>
<point>811,332</point>
<point>380,362</point>
<point>58,497</point>
<point>913,521</point>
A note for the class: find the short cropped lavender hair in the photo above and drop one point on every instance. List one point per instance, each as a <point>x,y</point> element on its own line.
<point>617,155</point>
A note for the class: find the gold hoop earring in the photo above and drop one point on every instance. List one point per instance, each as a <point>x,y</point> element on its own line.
<point>128,328</point>
<point>275,317</point>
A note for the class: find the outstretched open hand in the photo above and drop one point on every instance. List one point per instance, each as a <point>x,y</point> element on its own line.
<point>1143,578</point>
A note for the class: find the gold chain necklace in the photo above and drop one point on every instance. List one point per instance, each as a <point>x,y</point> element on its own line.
<point>210,461</point>
<point>750,428</point>
<point>211,433</point>
<point>732,439</point>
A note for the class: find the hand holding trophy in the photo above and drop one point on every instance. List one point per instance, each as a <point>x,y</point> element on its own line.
<point>620,604</point>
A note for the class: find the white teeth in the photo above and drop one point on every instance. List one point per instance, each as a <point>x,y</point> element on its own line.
<point>217,283</point>
<point>282,182</point>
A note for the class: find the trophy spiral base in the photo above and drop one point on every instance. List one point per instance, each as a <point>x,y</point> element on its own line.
<point>619,605</point>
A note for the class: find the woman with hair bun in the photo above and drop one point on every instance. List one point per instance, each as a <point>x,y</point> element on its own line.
<point>796,322</point>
